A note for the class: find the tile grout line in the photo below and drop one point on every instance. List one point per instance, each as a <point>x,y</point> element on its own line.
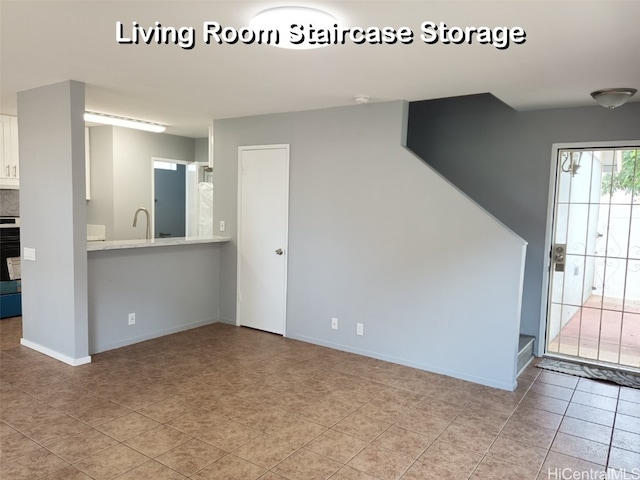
<point>191,385</point>
<point>613,429</point>
<point>484,455</point>
<point>558,429</point>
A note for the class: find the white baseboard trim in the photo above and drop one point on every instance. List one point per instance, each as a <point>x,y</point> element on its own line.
<point>148,336</point>
<point>74,362</point>
<point>408,363</point>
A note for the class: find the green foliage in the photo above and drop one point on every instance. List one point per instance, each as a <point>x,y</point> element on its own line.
<point>627,179</point>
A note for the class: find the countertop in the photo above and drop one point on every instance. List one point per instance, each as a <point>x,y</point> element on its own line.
<point>157,242</point>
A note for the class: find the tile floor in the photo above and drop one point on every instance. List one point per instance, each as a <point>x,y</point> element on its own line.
<point>221,402</point>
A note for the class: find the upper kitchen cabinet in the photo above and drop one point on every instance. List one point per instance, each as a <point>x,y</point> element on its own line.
<point>10,171</point>
<point>9,166</point>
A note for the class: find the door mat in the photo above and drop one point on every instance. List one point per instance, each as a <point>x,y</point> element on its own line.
<point>626,379</point>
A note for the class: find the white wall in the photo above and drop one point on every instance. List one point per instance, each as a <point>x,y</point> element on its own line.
<point>620,226</point>
<point>378,237</point>
<point>592,227</point>
<point>577,220</point>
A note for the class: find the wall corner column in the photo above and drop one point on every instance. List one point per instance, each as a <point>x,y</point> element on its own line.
<point>53,221</point>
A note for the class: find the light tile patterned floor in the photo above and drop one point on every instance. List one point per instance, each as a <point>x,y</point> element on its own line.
<point>221,402</point>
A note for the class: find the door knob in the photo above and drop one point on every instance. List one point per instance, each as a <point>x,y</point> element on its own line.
<point>279,251</point>
<point>559,258</point>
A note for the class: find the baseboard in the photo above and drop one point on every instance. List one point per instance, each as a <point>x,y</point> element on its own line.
<point>74,362</point>
<point>407,363</point>
<point>148,336</point>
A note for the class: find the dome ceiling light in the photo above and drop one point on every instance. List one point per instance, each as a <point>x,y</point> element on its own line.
<point>281,19</point>
<point>613,97</point>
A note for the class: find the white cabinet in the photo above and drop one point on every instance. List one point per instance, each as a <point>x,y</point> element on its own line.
<point>9,166</point>
<point>10,170</point>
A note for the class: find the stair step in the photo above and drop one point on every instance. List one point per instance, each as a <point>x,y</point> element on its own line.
<point>525,351</point>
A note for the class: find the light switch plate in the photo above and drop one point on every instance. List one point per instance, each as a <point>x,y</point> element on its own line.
<point>222,226</point>
<point>29,254</point>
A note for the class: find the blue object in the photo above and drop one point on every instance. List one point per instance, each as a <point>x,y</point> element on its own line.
<point>10,299</point>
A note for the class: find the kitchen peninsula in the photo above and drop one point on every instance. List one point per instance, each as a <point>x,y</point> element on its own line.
<point>143,289</point>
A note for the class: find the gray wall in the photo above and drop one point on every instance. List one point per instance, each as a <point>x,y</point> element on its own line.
<point>168,288</point>
<point>502,159</point>
<point>378,237</point>
<point>201,149</point>
<point>131,173</point>
<point>52,202</point>
<point>100,207</point>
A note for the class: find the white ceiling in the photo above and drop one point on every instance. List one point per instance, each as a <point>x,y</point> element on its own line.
<point>572,48</point>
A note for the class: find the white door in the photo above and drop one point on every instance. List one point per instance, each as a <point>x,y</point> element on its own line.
<point>263,212</point>
<point>594,307</point>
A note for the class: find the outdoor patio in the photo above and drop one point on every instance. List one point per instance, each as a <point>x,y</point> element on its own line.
<point>601,330</point>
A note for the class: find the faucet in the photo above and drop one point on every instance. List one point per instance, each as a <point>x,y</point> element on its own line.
<point>135,220</point>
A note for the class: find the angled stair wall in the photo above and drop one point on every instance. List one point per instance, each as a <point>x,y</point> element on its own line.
<point>378,237</point>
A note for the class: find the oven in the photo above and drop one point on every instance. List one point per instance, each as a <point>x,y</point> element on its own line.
<point>10,272</point>
<point>9,246</point>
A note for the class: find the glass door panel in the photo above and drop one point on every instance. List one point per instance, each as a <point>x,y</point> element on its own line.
<point>594,288</point>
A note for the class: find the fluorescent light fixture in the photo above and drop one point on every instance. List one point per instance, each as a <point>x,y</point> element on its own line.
<point>613,97</point>
<point>123,122</point>
<point>281,19</point>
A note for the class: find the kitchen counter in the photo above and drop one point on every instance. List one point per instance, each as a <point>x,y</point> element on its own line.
<point>166,289</point>
<point>157,242</point>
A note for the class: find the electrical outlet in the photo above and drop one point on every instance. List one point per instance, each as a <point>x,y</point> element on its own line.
<point>132,319</point>
<point>359,329</point>
<point>223,226</point>
<point>334,323</point>
<point>29,254</point>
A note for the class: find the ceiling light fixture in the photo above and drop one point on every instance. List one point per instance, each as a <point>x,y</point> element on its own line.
<point>282,18</point>
<point>123,122</point>
<point>360,99</point>
<point>613,97</point>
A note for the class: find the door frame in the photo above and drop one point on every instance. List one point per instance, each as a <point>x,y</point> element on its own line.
<point>546,267</point>
<point>241,149</point>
